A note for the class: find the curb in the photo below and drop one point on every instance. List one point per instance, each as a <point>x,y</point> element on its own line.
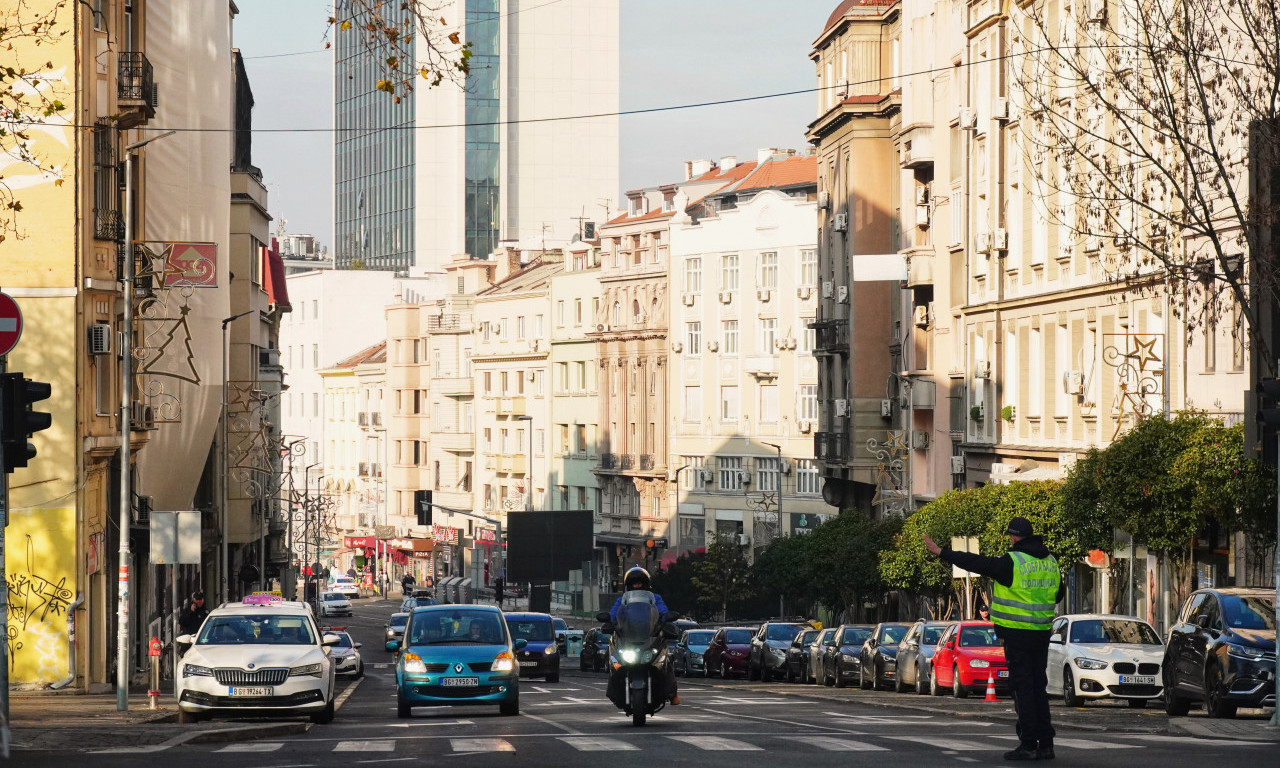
<point>238,733</point>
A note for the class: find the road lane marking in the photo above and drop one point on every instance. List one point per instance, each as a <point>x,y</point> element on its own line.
<point>365,746</point>
<point>943,742</point>
<point>716,743</point>
<point>598,744</point>
<point>130,750</point>
<point>833,744</point>
<point>481,745</point>
<point>255,746</point>
<point>425,722</point>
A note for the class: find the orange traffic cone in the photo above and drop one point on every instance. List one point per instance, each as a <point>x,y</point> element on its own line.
<point>991,688</point>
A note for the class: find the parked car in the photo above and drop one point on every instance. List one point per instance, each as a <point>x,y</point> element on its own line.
<point>813,672</point>
<point>539,657</point>
<point>334,604</point>
<point>395,629</point>
<point>457,654</point>
<point>797,661</point>
<point>767,656</point>
<point>914,653</point>
<point>1094,656</point>
<point>1222,651</point>
<point>345,585</point>
<point>968,655</point>
<point>346,654</point>
<point>878,660</point>
<point>564,633</point>
<point>842,659</point>
<point>595,650</point>
<point>687,652</point>
<point>256,657</point>
<point>726,654</point>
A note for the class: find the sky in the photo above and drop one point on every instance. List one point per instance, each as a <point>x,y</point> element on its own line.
<point>673,52</point>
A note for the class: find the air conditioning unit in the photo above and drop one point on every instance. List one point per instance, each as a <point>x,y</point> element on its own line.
<point>804,291</point>
<point>706,475</point>
<point>142,510</point>
<point>982,370</point>
<point>806,425</point>
<point>601,327</point>
<point>1000,108</point>
<point>920,439</point>
<point>968,119</point>
<point>921,316</point>
<point>1096,10</point>
<point>743,539</point>
<point>725,296</point>
<point>688,299</point>
<point>713,345</point>
<point>142,417</point>
<point>983,242</point>
<point>786,467</point>
<point>1001,239</point>
<point>922,216</point>
<point>840,222</point>
<point>828,289</point>
<point>842,407</point>
<point>744,477</point>
<point>1073,382</point>
<point>824,200</point>
<point>100,339</point>
<point>886,409</point>
<point>842,294</point>
<point>957,465</point>
<point>922,194</point>
<point>677,347</point>
<point>764,294</point>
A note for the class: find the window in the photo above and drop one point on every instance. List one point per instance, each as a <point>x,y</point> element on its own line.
<point>807,402</point>
<point>808,336</point>
<point>488,440</point>
<point>437,367</point>
<point>691,478</point>
<point>504,382</point>
<point>502,329</point>
<point>315,356</point>
<point>693,404</point>
<point>562,377</point>
<point>768,404</point>
<point>488,382</point>
<point>581,435</point>
<point>504,441</point>
<point>580,376</point>
<point>582,497</point>
<point>595,306</point>
<point>520,443</point>
<point>768,271</point>
<point>520,327</point>
<point>769,471</point>
<point>729,403</point>
<point>563,430</point>
<point>315,404</point>
<point>808,481</point>
<point>563,493</point>
<point>768,335</point>
<point>577,311</point>
<point>729,468</point>
<point>809,266</point>
<point>539,329</point>
<point>729,346</point>
<point>693,275</point>
<point>693,332</point>
<point>617,313</point>
<point>560,313</point>
<point>519,382</point>
<point>729,272</point>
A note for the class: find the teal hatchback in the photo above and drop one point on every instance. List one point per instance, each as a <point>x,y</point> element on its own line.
<point>457,654</point>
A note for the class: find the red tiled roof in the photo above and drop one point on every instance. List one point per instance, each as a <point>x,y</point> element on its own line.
<point>653,215</point>
<point>375,354</point>
<point>783,173</point>
<point>277,289</point>
<point>848,5</point>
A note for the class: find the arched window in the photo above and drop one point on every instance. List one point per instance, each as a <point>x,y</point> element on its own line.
<point>635,311</point>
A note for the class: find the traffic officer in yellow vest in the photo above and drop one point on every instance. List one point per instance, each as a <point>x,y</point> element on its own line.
<point>1028,584</point>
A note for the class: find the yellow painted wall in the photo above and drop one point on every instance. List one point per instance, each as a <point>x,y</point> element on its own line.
<point>40,549</point>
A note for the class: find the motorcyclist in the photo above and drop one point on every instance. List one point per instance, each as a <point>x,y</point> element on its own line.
<point>638,578</point>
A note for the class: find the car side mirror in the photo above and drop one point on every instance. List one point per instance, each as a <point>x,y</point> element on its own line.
<point>359,645</point>
<point>602,616</point>
<point>1202,621</point>
<point>520,643</point>
<point>330,640</point>
<point>1055,638</point>
<point>184,642</point>
<point>393,645</point>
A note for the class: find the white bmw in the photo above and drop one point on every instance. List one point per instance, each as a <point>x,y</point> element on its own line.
<point>259,657</point>
<point>1094,656</point>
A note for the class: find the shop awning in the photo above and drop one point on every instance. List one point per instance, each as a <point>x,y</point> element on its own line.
<point>412,546</point>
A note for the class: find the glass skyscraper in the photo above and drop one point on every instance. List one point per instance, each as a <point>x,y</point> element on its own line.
<point>482,129</point>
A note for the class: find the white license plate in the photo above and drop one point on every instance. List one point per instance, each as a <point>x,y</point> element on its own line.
<point>460,682</point>
<point>260,691</point>
<point>1002,673</point>
<point>528,663</point>
<point>1137,680</point>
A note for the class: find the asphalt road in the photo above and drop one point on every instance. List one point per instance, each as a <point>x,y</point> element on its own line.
<point>718,725</point>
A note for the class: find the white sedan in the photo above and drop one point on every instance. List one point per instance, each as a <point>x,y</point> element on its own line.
<point>334,604</point>
<point>345,585</point>
<point>1094,656</point>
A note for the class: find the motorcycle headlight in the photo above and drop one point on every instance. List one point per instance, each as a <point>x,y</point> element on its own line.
<point>306,670</point>
<point>979,663</point>
<point>414,665</point>
<point>504,662</point>
<point>647,656</point>
<point>1244,651</point>
<point>628,656</point>
<point>1084,663</point>
<point>195,670</point>
<point>550,650</point>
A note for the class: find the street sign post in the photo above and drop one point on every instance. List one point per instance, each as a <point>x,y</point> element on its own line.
<point>10,324</point>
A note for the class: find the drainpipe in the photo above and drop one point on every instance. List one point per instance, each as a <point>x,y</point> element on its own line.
<point>71,643</point>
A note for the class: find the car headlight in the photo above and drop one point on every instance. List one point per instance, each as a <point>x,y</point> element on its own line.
<point>1084,663</point>
<point>391,632</point>
<point>778,653</point>
<point>195,670</point>
<point>979,663</point>
<point>1244,651</point>
<point>306,670</point>
<point>628,656</point>
<point>850,657</point>
<point>413,664</point>
<point>503,662</point>
<point>550,650</point>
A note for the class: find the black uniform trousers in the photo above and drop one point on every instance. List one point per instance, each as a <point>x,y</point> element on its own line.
<point>1027,654</point>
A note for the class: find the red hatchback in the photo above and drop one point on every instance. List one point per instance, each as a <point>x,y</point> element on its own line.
<point>969,653</point>
<point>727,653</point>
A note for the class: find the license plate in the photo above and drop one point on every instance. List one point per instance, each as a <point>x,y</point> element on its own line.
<point>1002,673</point>
<point>236,692</point>
<point>460,682</point>
<point>528,663</point>
<point>1137,680</point>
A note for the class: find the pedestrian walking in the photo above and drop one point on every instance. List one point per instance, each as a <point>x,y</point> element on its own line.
<point>1027,586</point>
<point>191,617</point>
<point>498,586</point>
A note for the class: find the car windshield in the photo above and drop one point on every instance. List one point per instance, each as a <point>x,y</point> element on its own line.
<point>256,629</point>
<point>425,601</point>
<point>931,634</point>
<point>978,637</point>
<point>1249,611</point>
<point>332,597</point>
<point>826,635</point>
<point>739,636</point>
<point>807,636</point>
<point>892,634</point>
<point>856,636</point>
<point>398,620</point>
<point>533,630</point>
<point>701,637</point>
<point>783,632</point>
<point>1113,631</point>
<point>457,627</point>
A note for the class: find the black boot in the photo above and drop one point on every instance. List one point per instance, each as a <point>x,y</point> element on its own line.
<point>1045,752</point>
<point>1023,752</point>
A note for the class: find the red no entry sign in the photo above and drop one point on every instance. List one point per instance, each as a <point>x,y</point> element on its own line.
<point>10,324</point>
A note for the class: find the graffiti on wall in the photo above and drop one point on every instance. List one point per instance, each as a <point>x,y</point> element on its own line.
<point>40,576</point>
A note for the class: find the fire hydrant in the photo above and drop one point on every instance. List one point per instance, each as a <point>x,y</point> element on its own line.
<point>156,650</point>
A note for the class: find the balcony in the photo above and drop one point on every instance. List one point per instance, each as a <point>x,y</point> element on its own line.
<point>919,266</point>
<point>277,524</point>
<point>608,461</point>
<point>513,464</point>
<point>832,337</point>
<point>647,463</point>
<point>454,387</point>
<point>917,146</point>
<point>363,469</point>
<point>455,499</point>
<point>831,447</point>
<point>761,366</point>
<point>449,322</point>
<point>136,89</point>
<point>455,442</point>
<point>363,419</point>
<point>627,461</point>
<point>511,406</point>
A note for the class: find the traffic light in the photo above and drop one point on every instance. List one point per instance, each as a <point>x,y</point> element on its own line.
<point>1268,419</point>
<point>422,503</point>
<point>655,544</point>
<point>19,422</point>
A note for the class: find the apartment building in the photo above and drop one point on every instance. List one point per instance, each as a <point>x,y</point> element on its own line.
<point>743,377</point>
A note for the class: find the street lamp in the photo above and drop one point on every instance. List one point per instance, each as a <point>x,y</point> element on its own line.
<point>222,455</point>
<point>778,448</point>
<point>123,662</point>
<point>306,498</point>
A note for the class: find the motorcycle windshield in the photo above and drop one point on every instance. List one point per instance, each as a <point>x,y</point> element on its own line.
<point>636,621</point>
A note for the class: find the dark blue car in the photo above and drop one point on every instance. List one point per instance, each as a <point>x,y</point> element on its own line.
<point>540,656</point>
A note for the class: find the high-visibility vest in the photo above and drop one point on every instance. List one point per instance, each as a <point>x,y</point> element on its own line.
<point>1029,603</point>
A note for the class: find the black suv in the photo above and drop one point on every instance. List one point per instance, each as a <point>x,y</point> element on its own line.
<point>1222,651</point>
<point>767,658</point>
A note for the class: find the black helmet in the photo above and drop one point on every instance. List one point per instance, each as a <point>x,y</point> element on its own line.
<point>637,578</point>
